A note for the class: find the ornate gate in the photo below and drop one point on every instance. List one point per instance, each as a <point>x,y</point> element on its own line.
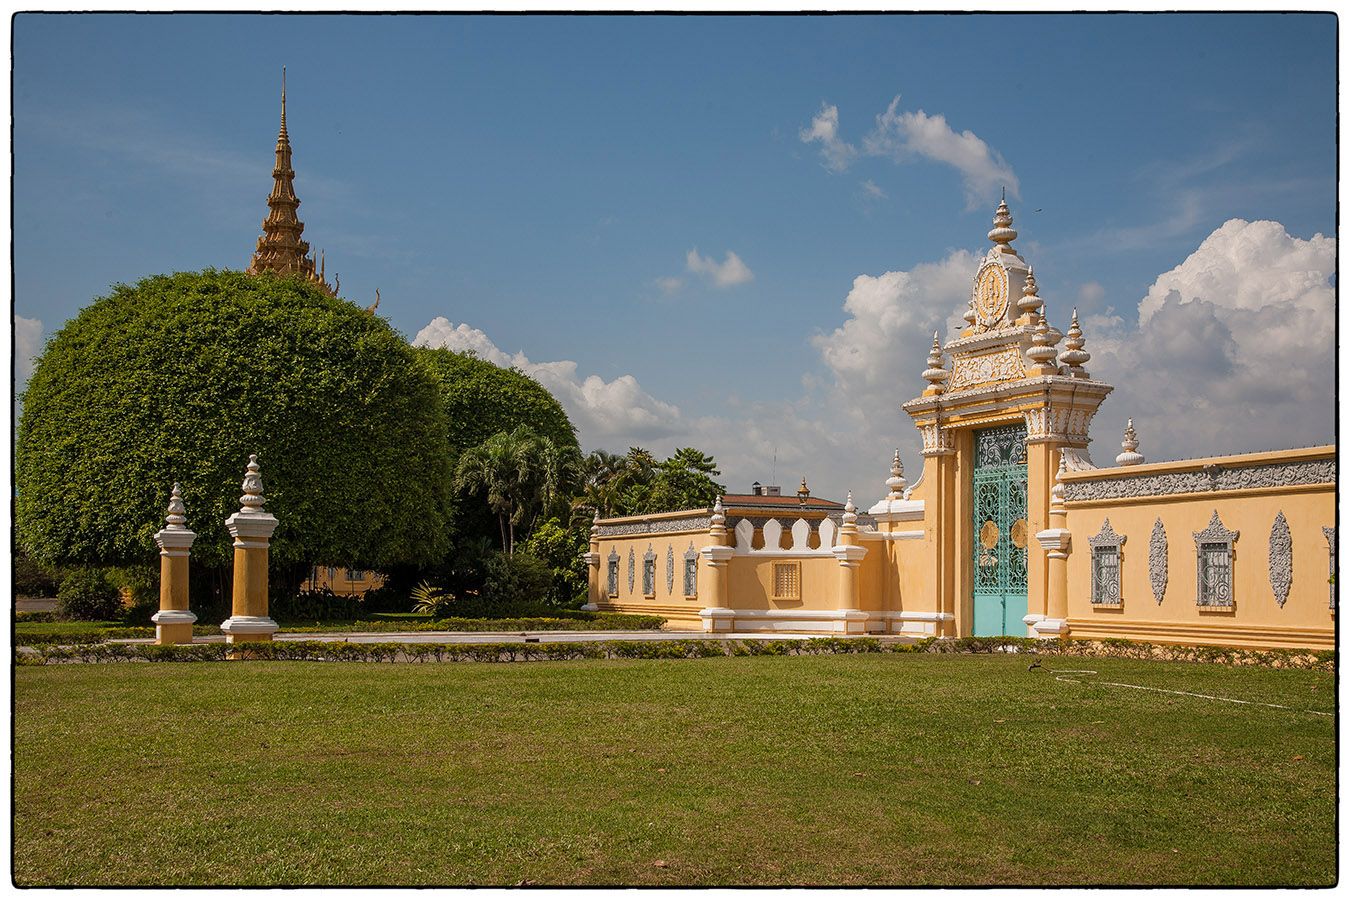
<point>1000,522</point>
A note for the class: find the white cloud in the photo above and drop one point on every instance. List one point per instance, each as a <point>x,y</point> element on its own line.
<point>730,271</point>
<point>669,284</point>
<point>1091,293</point>
<point>1234,350</point>
<point>824,129</point>
<point>27,345</point>
<point>606,413</point>
<point>904,136</point>
<point>873,190</point>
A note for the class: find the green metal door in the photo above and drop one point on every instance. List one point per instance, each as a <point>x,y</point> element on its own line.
<point>1000,524</point>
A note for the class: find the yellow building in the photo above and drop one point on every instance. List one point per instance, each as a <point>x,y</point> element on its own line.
<point>1011,528</point>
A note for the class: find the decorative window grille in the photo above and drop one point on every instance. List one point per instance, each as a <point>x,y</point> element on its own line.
<point>632,568</point>
<point>613,573</point>
<point>649,573</point>
<point>1106,546</point>
<point>670,569</point>
<point>1214,564</point>
<point>787,581</point>
<point>691,571</point>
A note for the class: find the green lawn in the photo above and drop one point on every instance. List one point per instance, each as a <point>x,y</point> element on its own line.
<point>871,769</point>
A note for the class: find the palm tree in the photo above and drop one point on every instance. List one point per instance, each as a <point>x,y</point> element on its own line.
<point>517,471</point>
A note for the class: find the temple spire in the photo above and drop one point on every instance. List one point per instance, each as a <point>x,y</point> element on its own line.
<point>281,249</point>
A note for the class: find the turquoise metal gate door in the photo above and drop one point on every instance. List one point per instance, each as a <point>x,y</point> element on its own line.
<point>1000,523</point>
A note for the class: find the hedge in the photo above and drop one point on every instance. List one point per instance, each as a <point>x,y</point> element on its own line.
<point>342,651</point>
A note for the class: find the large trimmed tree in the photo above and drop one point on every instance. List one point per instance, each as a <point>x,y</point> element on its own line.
<point>181,377</point>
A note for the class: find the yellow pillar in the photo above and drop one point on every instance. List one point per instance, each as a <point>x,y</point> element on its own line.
<point>1042,462</point>
<point>852,620</point>
<point>173,622</point>
<point>1055,540</point>
<point>714,583</point>
<point>592,558</point>
<point>252,530</point>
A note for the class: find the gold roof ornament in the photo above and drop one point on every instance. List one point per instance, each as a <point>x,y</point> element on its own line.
<point>281,249</point>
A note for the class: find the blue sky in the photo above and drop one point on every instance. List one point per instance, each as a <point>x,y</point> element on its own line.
<point>540,183</point>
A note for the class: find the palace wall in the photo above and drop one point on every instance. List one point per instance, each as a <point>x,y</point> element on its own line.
<point>1159,590</point>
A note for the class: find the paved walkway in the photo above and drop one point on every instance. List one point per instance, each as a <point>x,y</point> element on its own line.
<point>517,637</point>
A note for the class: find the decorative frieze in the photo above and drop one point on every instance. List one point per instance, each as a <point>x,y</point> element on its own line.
<point>655,526</point>
<point>937,441</point>
<point>1157,561</point>
<point>1001,365</point>
<point>1059,423</point>
<point>1209,478</point>
<point>1281,559</point>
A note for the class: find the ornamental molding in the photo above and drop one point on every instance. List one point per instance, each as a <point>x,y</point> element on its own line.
<point>1157,560</point>
<point>1084,390</point>
<point>670,569</point>
<point>1107,537</point>
<point>1281,559</point>
<point>1059,423</point>
<point>1207,479</point>
<point>656,526</point>
<point>937,441</point>
<point>1001,365</point>
<point>1215,532</point>
<point>632,568</point>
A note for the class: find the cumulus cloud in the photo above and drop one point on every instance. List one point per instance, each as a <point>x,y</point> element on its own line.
<point>906,135</point>
<point>606,413</point>
<point>1234,349</point>
<point>824,130</point>
<point>729,272</point>
<point>27,345</point>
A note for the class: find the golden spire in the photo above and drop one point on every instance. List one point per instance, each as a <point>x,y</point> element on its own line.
<point>281,249</point>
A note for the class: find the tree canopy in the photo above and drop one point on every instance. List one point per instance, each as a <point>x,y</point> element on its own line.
<point>481,399</point>
<point>636,483</point>
<point>181,377</point>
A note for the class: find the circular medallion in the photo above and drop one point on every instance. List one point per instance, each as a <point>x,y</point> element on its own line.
<point>991,294</point>
<point>989,534</point>
<point>1019,533</point>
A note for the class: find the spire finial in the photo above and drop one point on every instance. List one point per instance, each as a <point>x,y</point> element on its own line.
<point>1074,355</point>
<point>935,374</point>
<point>283,99</point>
<point>1042,350</point>
<point>1129,447</point>
<point>177,514</point>
<point>252,499</point>
<point>850,511</point>
<point>1030,302</point>
<point>896,483</point>
<point>719,516</point>
<point>803,492</point>
<point>1057,492</point>
<point>1002,233</point>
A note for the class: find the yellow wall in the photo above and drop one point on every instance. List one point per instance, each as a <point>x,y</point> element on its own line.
<point>1254,620</point>
<point>671,604</point>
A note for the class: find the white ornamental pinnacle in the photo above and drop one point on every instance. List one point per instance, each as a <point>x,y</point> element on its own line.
<point>177,513</point>
<point>969,315</point>
<point>252,500</point>
<point>935,374</point>
<point>1057,492</point>
<point>1030,302</point>
<point>1074,355</point>
<point>719,516</point>
<point>1003,234</point>
<point>850,511</point>
<point>1128,446</point>
<point>595,524</point>
<point>1042,350</point>
<point>896,483</point>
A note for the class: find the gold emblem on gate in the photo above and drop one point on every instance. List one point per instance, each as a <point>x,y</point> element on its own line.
<point>989,535</point>
<point>1019,533</point>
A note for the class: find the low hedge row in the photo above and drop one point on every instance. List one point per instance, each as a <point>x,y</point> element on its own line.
<point>341,651</point>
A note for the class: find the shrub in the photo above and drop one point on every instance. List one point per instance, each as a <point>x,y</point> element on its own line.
<point>517,582</point>
<point>142,584</point>
<point>88,594</point>
<point>314,606</point>
<point>32,578</point>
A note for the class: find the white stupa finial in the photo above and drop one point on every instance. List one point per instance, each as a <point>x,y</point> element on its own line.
<point>935,374</point>
<point>1002,233</point>
<point>1057,491</point>
<point>252,500</point>
<point>850,511</point>
<point>1129,447</point>
<point>177,513</point>
<point>896,483</point>
<point>1030,301</point>
<point>1074,356</point>
<point>1042,351</point>
<point>719,513</point>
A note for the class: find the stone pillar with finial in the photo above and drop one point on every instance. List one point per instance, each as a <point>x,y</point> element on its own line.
<point>716,577</point>
<point>251,529</point>
<point>173,622</point>
<point>1055,541</point>
<point>847,551</point>
<point>592,557</point>
<point>1129,447</point>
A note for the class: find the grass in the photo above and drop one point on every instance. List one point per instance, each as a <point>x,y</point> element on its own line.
<point>874,769</point>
